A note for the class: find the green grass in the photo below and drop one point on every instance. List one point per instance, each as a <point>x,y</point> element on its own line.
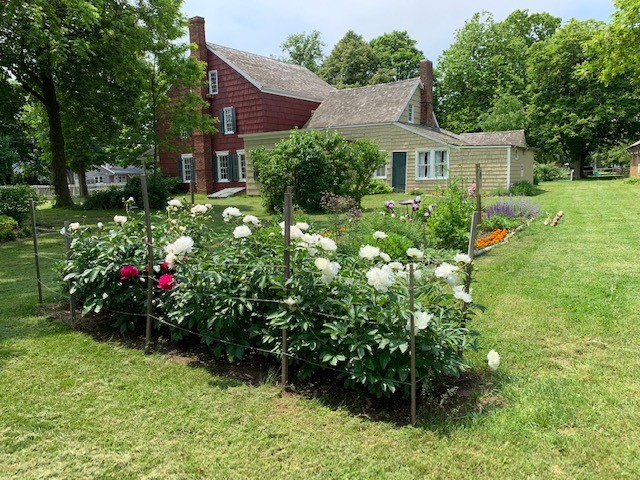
<point>562,310</point>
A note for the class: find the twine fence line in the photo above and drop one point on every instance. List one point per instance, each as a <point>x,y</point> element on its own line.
<point>285,355</point>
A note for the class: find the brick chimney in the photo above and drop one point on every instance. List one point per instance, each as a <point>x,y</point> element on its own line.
<point>426,96</point>
<point>202,143</point>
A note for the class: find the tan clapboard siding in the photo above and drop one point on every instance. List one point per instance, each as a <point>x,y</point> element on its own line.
<point>492,160</point>
<point>415,101</point>
<point>521,165</point>
<point>253,188</point>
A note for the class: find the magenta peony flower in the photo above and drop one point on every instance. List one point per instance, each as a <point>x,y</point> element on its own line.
<point>166,282</point>
<point>128,272</point>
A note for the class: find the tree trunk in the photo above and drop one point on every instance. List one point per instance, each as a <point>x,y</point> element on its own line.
<point>578,166</point>
<point>82,180</point>
<point>56,137</point>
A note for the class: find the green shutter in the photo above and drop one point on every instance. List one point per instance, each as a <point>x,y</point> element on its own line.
<point>214,162</point>
<point>234,175</point>
<point>221,120</point>
<point>233,120</point>
<point>180,168</point>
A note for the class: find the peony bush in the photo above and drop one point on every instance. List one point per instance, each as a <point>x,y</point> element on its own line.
<point>343,311</point>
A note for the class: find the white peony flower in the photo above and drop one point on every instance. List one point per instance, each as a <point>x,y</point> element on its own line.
<point>415,253</point>
<point>171,259</point>
<point>294,232</point>
<point>241,232</point>
<point>322,263</point>
<point>460,293</point>
<point>385,257</point>
<point>182,228</point>
<point>120,219</point>
<point>181,246</point>
<point>378,235</point>
<point>175,203</point>
<point>446,271</point>
<point>462,258</point>
<point>302,226</point>
<point>328,268</point>
<point>421,321</point>
<point>251,219</point>
<point>199,209</point>
<point>74,226</point>
<point>493,359</point>
<point>229,212</point>
<point>100,225</point>
<point>380,278</point>
<point>130,200</point>
<point>369,252</point>
<point>328,245</point>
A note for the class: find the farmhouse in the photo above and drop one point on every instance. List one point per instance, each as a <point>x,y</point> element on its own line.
<point>260,100</point>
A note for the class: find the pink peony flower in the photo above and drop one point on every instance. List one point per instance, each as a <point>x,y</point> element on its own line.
<point>164,266</point>
<point>128,272</point>
<point>166,282</point>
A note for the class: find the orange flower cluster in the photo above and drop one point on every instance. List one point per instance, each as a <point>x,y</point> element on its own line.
<point>494,237</point>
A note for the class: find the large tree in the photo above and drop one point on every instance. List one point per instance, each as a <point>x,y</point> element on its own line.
<point>486,62</point>
<point>304,49</point>
<point>87,60</point>
<point>351,63</point>
<point>397,51</point>
<point>570,108</point>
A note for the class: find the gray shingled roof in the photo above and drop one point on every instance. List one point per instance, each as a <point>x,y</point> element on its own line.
<point>382,103</point>
<point>515,138</point>
<point>436,133</point>
<point>274,76</point>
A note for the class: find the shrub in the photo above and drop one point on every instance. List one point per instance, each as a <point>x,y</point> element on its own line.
<point>547,172</point>
<point>513,207</point>
<point>159,188</point>
<point>14,201</point>
<point>314,162</point>
<point>500,222</point>
<point>377,186</point>
<point>341,311</point>
<point>7,228</point>
<point>450,222</point>
<point>524,188</point>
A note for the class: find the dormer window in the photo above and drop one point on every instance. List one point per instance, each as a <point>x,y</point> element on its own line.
<point>411,114</point>
<point>213,82</point>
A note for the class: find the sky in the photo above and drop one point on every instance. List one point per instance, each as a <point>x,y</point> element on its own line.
<point>260,26</point>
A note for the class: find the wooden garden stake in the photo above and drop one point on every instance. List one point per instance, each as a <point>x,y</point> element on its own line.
<point>32,210</point>
<point>72,297</point>
<point>147,218</point>
<point>475,218</point>
<point>287,274</point>
<point>192,185</point>
<point>413,345</point>
<point>478,188</point>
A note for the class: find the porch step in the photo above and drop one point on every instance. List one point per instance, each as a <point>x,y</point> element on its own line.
<point>227,192</point>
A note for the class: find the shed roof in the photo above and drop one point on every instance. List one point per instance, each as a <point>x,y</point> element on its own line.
<point>438,134</point>
<point>383,103</point>
<point>514,138</point>
<point>115,169</point>
<point>274,76</point>
<point>637,144</point>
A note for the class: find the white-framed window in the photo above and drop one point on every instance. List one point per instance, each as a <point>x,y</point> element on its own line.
<point>411,114</point>
<point>223,166</point>
<point>213,82</point>
<point>229,120</point>
<point>187,167</point>
<point>432,164</point>
<point>121,179</point>
<point>242,166</point>
<point>381,172</point>
<point>98,180</point>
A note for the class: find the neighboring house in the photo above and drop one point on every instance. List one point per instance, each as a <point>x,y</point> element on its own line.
<point>634,150</point>
<point>399,117</point>
<point>112,175</point>
<point>249,94</point>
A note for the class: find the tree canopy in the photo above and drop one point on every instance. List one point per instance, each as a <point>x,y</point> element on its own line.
<point>486,61</point>
<point>304,49</point>
<point>92,62</point>
<point>397,51</point>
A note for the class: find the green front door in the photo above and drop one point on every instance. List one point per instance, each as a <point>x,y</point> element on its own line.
<point>399,171</point>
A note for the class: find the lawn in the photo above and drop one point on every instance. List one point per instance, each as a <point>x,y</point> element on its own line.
<point>562,310</point>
